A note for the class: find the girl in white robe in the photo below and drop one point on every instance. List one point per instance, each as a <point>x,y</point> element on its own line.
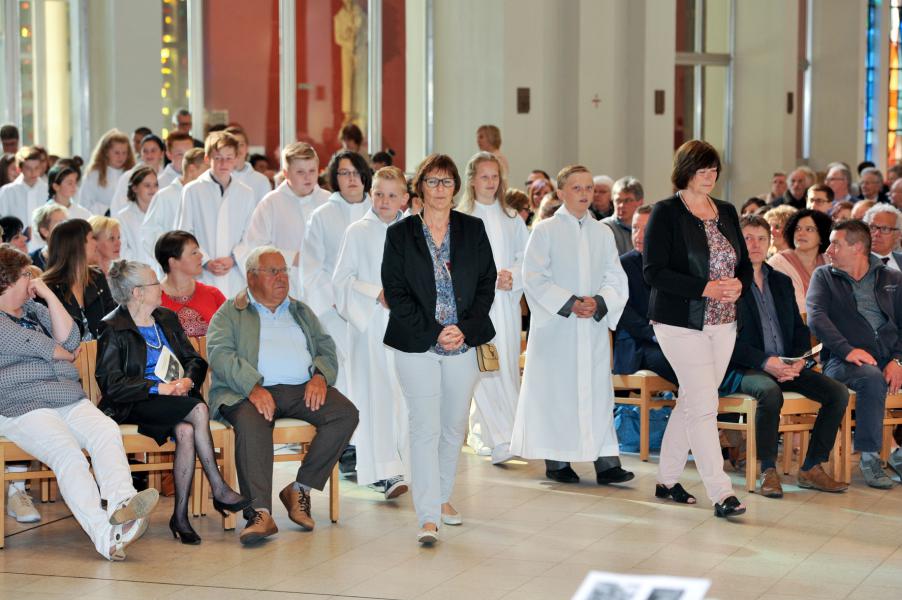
<point>566,410</point>
<point>141,190</point>
<point>111,157</point>
<point>381,436</point>
<point>152,151</point>
<point>497,392</point>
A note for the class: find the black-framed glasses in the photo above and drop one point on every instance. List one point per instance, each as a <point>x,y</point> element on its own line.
<point>272,272</point>
<point>434,182</point>
<point>349,173</point>
<point>884,229</point>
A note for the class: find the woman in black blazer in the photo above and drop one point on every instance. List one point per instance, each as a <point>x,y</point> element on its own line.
<point>696,262</point>
<point>137,335</point>
<point>438,275</point>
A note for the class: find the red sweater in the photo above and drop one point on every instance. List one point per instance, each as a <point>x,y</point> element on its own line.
<point>195,312</point>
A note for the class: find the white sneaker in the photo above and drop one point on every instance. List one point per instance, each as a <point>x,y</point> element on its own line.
<point>20,506</point>
<point>427,537</point>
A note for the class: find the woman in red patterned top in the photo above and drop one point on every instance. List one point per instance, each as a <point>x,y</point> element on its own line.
<point>194,302</point>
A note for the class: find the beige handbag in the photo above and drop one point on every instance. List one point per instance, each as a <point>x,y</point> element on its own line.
<point>487,358</point>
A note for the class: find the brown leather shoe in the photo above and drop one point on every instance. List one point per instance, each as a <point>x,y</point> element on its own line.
<point>770,484</point>
<point>258,528</point>
<point>297,502</point>
<point>817,479</point>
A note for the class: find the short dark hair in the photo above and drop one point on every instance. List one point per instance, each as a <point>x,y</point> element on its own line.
<point>384,157</point>
<point>143,130</point>
<point>821,220</point>
<point>689,158</point>
<point>9,132</point>
<point>11,227</point>
<point>351,132</point>
<point>171,245</point>
<point>865,164</point>
<point>366,174</point>
<point>139,175</point>
<point>754,221</point>
<point>542,173</point>
<point>59,172</point>
<point>821,187</point>
<point>754,200</point>
<point>256,157</point>
<point>435,162</point>
<point>151,138</point>
<point>12,261</point>
<point>856,231</point>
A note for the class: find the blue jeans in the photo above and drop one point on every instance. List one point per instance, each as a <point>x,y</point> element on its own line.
<point>870,406</point>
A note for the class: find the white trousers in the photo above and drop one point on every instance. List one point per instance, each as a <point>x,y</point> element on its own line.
<point>699,359</point>
<point>437,390</point>
<point>56,437</point>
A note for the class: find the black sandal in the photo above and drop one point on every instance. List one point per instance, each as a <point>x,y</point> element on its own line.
<point>675,492</point>
<point>730,507</point>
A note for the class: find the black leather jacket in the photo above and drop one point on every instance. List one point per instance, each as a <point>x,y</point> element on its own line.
<point>675,261</point>
<point>122,357</point>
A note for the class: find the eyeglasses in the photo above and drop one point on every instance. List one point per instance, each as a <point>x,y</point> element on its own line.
<point>27,274</point>
<point>821,201</point>
<point>806,229</point>
<point>273,272</point>
<point>349,173</point>
<point>434,182</point>
<point>148,284</point>
<point>884,229</point>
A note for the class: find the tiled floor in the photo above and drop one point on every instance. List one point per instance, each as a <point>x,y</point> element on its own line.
<point>523,538</point>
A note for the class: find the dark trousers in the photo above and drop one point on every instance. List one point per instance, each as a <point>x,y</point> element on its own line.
<point>335,422</point>
<point>831,394</point>
<point>870,405</point>
<point>652,358</point>
<point>602,463</point>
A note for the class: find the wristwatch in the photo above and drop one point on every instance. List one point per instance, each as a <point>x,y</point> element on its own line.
<point>898,361</point>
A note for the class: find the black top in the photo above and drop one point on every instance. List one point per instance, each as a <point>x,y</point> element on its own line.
<point>122,358</point>
<point>409,283</point>
<point>98,303</point>
<point>675,259</point>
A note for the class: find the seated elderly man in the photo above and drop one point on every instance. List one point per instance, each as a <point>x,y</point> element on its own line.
<point>43,410</point>
<point>770,326</point>
<point>628,196</point>
<point>885,223</point>
<point>271,359</point>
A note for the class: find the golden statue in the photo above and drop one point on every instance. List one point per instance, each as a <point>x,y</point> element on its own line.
<point>349,24</point>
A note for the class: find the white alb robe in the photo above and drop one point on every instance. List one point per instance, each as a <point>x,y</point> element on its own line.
<point>319,253</point>
<point>119,199</point>
<point>130,219</point>
<point>95,197</point>
<point>219,220</point>
<point>566,409</point>
<point>167,176</point>
<point>75,210</point>
<point>497,392</point>
<point>20,200</point>
<point>162,216</point>
<point>381,437</point>
<point>280,220</point>
<point>253,179</point>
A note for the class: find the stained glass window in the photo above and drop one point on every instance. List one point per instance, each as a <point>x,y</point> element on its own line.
<point>870,65</point>
<point>893,122</point>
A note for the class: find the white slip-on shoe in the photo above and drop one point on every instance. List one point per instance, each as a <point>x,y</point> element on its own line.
<point>20,506</point>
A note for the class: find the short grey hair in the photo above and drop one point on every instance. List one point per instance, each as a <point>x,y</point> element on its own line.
<point>253,260</point>
<point>871,171</point>
<point>124,277</point>
<point>882,207</point>
<point>603,179</point>
<point>842,169</point>
<point>629,185</point>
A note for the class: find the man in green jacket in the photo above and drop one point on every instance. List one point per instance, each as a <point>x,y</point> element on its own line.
<point>271,359</point>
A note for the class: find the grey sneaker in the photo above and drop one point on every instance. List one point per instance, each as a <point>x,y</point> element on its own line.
<point>874,475</point>
<point>895,462</point>
<point>395,487</point>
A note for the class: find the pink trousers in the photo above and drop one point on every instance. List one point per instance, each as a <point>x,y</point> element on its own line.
<point>699,359</point>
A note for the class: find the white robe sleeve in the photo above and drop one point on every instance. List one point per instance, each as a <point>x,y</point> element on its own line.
<point>544,296</point>
<point>519,242</point>
<point>316,281</point>
<point>158,220</point>
<point>187,222</point>
<point>355,300</point>
<point>614,285</point>
<point>118,200</point>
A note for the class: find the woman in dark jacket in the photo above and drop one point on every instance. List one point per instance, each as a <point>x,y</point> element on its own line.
<point>138,335</point>
<point>696,262</point>
<point>82,289</point>
<point>438,277</point>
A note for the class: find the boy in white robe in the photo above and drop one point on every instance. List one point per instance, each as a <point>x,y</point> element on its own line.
<point>576,290</point>
<point>381,436</point>
<point>26,192</point>
<point>216,208</point>
<point>350,174</point>
<point>244,171</point>
<point>280,219</point>
<point>163,214</point>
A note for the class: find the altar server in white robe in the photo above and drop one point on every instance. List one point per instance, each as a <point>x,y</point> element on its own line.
<point>163,214</point>
<point>350,175</point>
<point>177,144</point>
<point>280,219</point>
<point>576,290</point>
<point>152,151</point>
<point>142,187</point>
<point>497,391</point>
<point>216,208</point>
<point>381,438</point>
<point>27,191</point>
<point>244,171</point>
<point>63,180</point>
<point>111,157</point>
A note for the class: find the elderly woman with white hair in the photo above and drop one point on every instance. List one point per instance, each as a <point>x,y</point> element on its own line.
<point>43,410</point>
<point>602,207</point>
<point>150,375</point>
<point>885,223</point>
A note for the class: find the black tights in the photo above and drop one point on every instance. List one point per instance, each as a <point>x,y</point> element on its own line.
<point>192,438</point>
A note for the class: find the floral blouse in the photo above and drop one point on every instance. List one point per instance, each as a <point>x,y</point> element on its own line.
<point>721,265</point>
<point>445,304</point>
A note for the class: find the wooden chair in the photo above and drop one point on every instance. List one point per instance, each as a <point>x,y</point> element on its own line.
<point>642,387</point>
<point>797,415</point>
<point>891,419</point>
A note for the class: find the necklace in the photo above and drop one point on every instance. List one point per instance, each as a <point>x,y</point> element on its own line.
<point>159,344</point>
<point>710,204</point>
